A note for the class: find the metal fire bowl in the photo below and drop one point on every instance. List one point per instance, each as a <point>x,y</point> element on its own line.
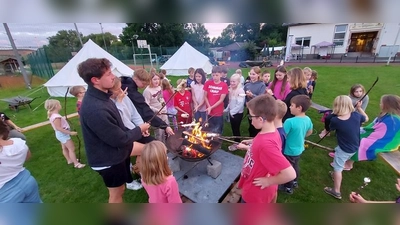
<point>174,142</point>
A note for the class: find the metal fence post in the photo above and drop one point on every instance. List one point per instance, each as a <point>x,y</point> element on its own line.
<point>357,59</point>
<point>374,58</point>
<point>341,57</point>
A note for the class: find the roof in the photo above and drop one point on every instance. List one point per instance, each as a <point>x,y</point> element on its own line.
<point>235,46</point>
<point>324,44</point>
<point>295,24</point>
<point>6,58</point>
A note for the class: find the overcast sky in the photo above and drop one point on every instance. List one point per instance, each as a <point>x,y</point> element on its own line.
<point>35,35</point>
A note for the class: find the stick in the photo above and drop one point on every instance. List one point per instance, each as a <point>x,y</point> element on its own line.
<point>227,140</point>
<point>233,137</point>
<point>155,114</point>
<point>194,136</point>
<point>318,145</point>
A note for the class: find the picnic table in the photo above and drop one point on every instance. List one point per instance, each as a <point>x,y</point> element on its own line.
<point>259,63</point>
<point>15,102</point>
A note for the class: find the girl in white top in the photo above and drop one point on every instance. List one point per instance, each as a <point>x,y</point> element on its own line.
<point>16,183</point>
<point>236,105</point>
<point>199,105</point>
<point>154,98</point>
<point>63,132</point>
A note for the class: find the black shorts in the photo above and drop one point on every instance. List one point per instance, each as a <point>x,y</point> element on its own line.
<point>117,175</point>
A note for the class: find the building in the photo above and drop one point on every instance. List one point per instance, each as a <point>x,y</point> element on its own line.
<point>316,40</point>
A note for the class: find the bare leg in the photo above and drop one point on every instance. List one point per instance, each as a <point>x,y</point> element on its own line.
<point>71,151</point>
<point>115,194</point>
<point>349,164</point>
<point>65,153</point>
<point>337,181</point>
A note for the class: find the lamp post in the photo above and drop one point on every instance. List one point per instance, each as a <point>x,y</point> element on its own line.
<point>104,40</point>
<point>134,37</point>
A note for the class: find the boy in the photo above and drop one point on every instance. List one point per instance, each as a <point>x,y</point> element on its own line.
<point>282,108</point>
<point>78,92</point>
<point>108,143</point>
<point>264,165</point>
<point>225,79</point>
<point>190,78</point>
<point>297,129</point>
<point>141,79</point>
<point>215,92</point>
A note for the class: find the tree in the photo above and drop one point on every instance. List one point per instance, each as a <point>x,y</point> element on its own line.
<point>238,32</point>
<point>65,39</point>
<point>196,34</point>
<point>273,34</point>
<point>98,39</point>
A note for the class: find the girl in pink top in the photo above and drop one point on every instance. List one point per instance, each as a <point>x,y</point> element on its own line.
<point>157,178</point>
<point>63,132</point>
<point>167,92</point>
<point>279,87</point>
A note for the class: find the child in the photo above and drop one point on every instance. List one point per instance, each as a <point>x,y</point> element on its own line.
<point>239,71</point>
<point>215,92</point>
<point>298,84</point>
<point>282,108</point>
<point>199,105</point>
<point>279,87</point>
<point>264,166</point>
<point>236,105</point>
<point>307,74</point>
<point>347,125</point>
<point>357,91</point>
<point>157,178</point>
<point>183,102</point>
<point>266,75</point>
<point>62,131</point>
<point>252,89</point>
<point>154,98</point>
<point>314,77</point>
<point>297,129</point>
<point>190,78</point>
<point>17,185</point>
<point>357,198</point>
<point>15,131</point>
<point>79,93</point>
<point>167,93</point>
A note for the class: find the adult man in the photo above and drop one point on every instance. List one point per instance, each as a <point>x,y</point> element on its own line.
<point>108,143</point>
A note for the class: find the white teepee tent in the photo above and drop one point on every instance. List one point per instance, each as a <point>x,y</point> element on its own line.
<point>184,58</point>
<point>68,76</point>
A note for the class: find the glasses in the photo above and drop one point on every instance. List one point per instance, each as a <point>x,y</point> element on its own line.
<point>251,117</point>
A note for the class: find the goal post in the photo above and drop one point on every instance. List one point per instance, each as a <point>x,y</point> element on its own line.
<point>145,57</point>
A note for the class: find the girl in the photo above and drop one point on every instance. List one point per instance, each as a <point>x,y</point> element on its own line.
<point>62,130</point>
<point>199,105</point>
<point>314,77</point>
<point>17,185</point>
<point>307,73</point>
<point>239,71</point>
<point>279,87</point>
<point>347,125</point>
<point>357,91</point>
<point>157,178</point>
<point>183,102</point>
<point>167,93</point>
<point>236,105</point>
<point>266,75</point>
<point>153,97</point>
<point>252,89</point>
<point>383,134</point>
<point>297,82</point>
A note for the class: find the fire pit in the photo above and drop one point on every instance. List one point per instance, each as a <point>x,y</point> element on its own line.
<point>193,144</point>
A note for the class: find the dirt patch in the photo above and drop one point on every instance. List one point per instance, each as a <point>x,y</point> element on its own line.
<point>17,81</point>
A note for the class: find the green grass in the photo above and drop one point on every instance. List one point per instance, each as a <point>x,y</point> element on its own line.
<point>60,183</point>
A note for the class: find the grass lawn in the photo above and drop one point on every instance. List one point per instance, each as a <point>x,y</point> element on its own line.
<point>60,183</point>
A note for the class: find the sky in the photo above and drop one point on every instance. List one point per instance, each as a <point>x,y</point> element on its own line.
<point>34,35</point>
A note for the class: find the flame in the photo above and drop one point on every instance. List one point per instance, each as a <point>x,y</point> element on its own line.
<point>199,137</point>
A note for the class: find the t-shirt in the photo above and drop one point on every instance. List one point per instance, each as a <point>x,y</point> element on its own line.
<point>167,96</point>
<point>167,192</point>
<point>198,92</point>
<point>183,101</point>
<point>296,129</point>
<point>214,92</point>
<point>277,89</point>
<point>189,82</point>
<point>263,159</point>
<point>283,137</point>
<point>12,158</point>
<point>348,131</point>
<point>64,123</point>
<point>78,105</point>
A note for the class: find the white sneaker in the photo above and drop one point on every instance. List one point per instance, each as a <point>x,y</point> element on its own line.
<point>134,185</point>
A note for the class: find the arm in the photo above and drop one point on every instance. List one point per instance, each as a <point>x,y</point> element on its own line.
<point>361,111</point>
<point>206,99</point>
<point>57,124</point>
<point>28,155</point>
<point>221,100</point>
<point>282,177</point>
<point>309,132</point>
<point>12,125</point>
<point>365,102</point>
<point>135,116</point>
<point>147,97</point>
<point>236,108</point>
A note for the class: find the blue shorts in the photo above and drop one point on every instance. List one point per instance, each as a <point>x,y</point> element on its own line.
<point>63,138</point>
<point>340,159</point>
<point>21,189</point>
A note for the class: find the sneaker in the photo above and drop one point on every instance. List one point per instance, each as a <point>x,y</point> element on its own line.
<point>134,185</point>
<point>289,191</point>
<point>295,184</point>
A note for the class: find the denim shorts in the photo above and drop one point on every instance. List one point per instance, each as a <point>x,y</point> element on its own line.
<point>340,159</point>
<point>21,189</point>
<point>63,138</point>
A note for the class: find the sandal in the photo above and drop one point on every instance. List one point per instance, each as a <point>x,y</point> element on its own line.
<point>323,133</point>
<point>344,168</point>
<point>332,193</point>
<point>331,154</point>
<point>79,166</point>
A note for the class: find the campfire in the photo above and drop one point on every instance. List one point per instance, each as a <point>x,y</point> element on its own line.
<point>193,144</point>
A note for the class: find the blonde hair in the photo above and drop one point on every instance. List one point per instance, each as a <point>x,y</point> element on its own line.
<point>238,71</point>
<point>142,75</point>
<point>342,105</point>
<point>234,92</point>
<point>391,104</point>
<point>297,79</point>
<point>181,84</point>
<point>154,164</point>
<point>75,90</point>
<point>307,69</point>
<point>282,109</point>
<point>50,105</point>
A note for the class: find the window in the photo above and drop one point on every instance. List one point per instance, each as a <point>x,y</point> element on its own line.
<point>340,32</point>
<point>303,41</point>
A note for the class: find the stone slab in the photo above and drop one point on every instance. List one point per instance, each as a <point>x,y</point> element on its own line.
<point>196,185</point>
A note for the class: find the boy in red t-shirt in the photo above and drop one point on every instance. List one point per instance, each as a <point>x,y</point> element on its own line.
<point>264,166</point>
<point>183,102</point>
<point>215,92</point>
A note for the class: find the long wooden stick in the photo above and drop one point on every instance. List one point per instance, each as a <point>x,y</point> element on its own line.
<point>227,140</point>
<point>319,146</point>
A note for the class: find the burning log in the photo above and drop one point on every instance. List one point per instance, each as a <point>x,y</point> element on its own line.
<point>196,147</point>
<point>186,134</point>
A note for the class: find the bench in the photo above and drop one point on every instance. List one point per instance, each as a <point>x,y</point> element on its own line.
<point>393,159</point>
<point>320,108</point>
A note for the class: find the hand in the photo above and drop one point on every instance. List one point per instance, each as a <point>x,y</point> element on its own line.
<point>243,146</point>
<point>358,104</point>
<point>169,131</point>
<point>209,110</point>
<point>144,127</point>
<point>73,133</point>
<point>122,94</point>
<point>311,89</point>
<point>356,198</point>
<point>247,142</point>
<point>146,133</point>
<point>269,91</point>
<point>262,182</point>
<point>18,128</point>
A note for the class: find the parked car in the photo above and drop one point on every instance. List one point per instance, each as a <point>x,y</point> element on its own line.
<point>161,59</point>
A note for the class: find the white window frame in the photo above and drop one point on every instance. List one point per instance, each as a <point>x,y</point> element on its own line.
<point>339,32</point>
<point>302,41</point>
